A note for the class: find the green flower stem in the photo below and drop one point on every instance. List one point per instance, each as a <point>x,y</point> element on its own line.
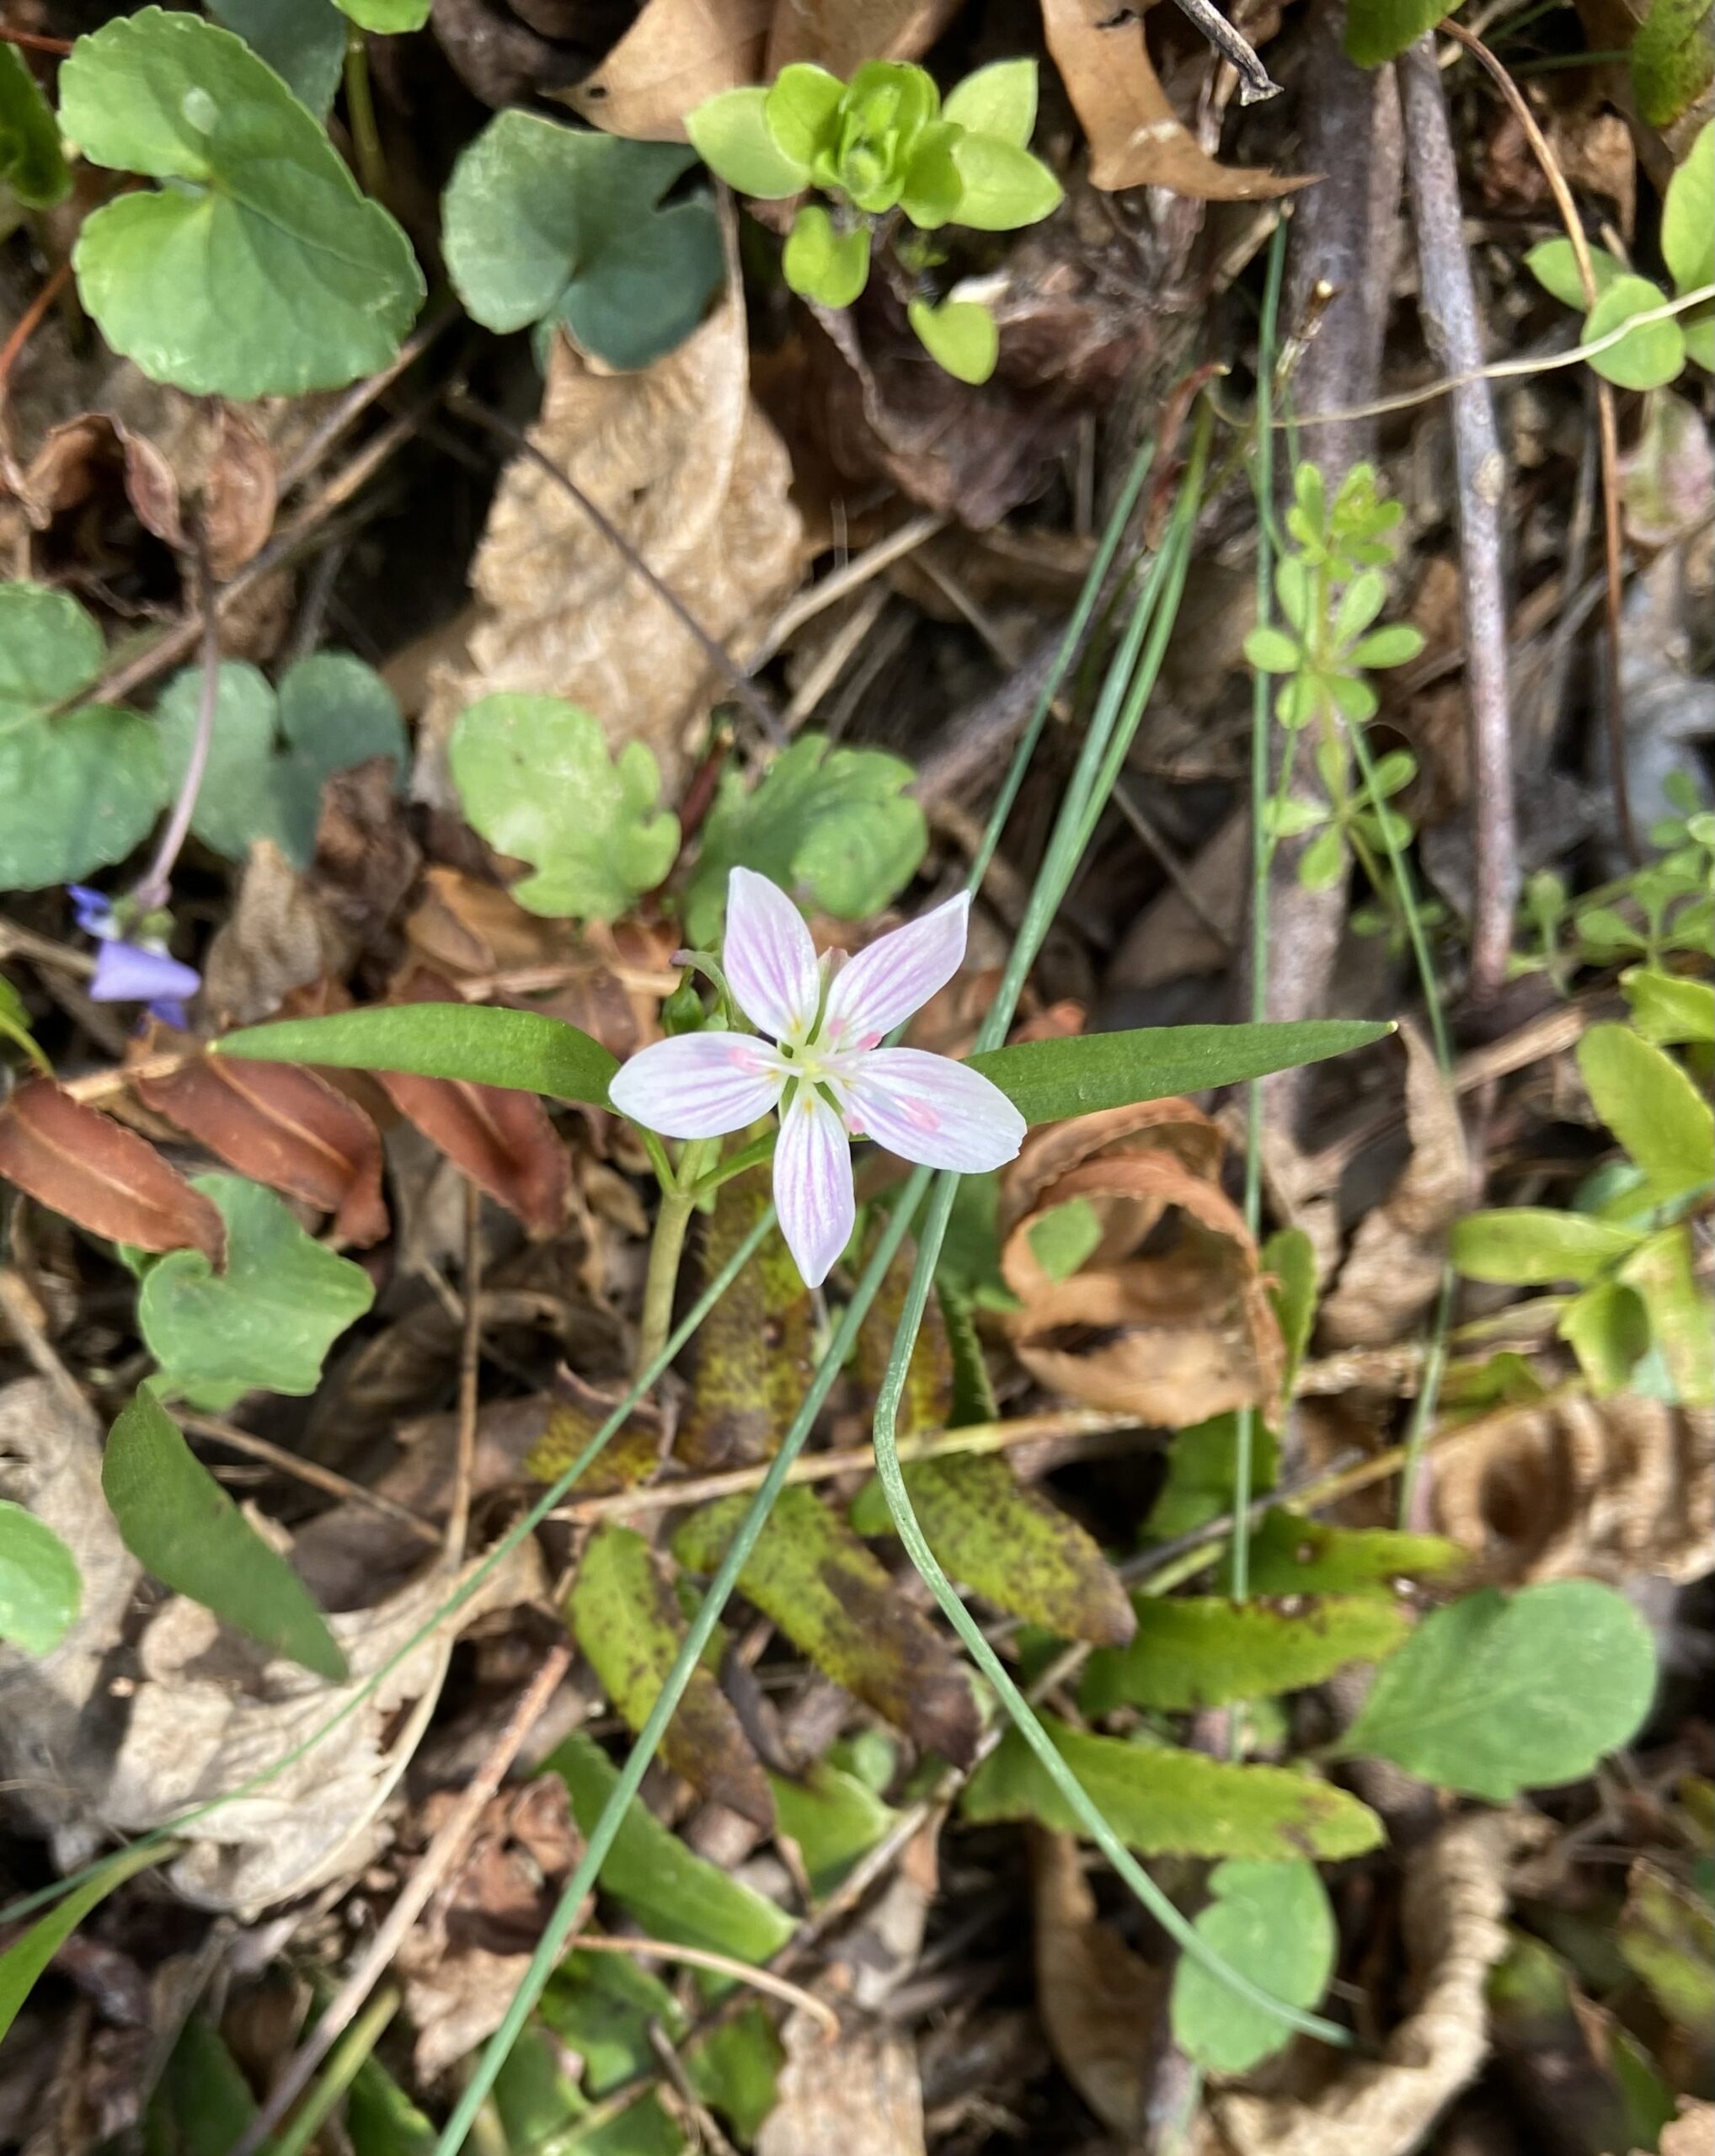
<point>1102,752</point>
<point>666,1248</point>
<point>348,2055</point>
<point>360,110</point>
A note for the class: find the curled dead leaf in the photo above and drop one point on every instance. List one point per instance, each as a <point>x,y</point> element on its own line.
<point>1601,1489</point>
<point>1102,2005</point>
<point>77,1161</point>
<point>1166,1316</point>
<point>1394,1268</point>
<point>77,458</point>
<point>500,1137</point>
<point>280,936</point>
<point>281,1125</point>
<point>681,459</point>
<point>1136,138</point>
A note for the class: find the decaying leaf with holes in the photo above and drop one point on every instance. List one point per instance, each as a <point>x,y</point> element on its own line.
<point>1111,1317</point>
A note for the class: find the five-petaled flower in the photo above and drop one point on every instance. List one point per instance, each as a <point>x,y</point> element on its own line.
<point>132,969</point>
<point>822,1064</point>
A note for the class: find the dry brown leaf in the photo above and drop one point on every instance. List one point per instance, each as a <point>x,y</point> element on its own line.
<point>677,53</point>
<point>1136,138</point>
<point>1102,2004</point>
<point>680,457</point>
<point>859,2095</point>
<point>279,936</point>
<point>1603,1489</point>
<point>76,459</point>
<point>1455,1897</point>
<point>1692,2133</point>
<point>281,1125</point>
<point>1394,1269</point>
<point>840,34</point>
<point>365,859</point>
<point>77,1161</point>
<point>1174,1336</point>
<point>500,1136</point>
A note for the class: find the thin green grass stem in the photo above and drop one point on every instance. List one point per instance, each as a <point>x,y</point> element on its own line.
<point>337,2076</point>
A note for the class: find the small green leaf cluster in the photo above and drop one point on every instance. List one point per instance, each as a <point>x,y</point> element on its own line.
<point>881,148</point>
<point>1639,1320</point>
<point>1331,586</point>
<point>1657,353</point>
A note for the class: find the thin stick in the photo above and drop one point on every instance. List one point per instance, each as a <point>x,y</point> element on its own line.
<point>722,1965</point>
<point>437,1861</point>
<point>470,1350</point>
<point>311,1471</point>
<point>35,41</point>
<point>838,581</point>
<point>1607,423</point>
<point>27,323</point>
<point>706,2136</point>
<point>156,883</point>
<point>738,678</point>
<point>971,1437</point>
<point>1453,328</point>
<point>1255,83</point>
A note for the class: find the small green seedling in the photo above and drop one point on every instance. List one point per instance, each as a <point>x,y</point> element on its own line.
<point>884,147</point>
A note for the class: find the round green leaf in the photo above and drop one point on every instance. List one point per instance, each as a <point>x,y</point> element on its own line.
<point>800,110</point>
<point>40,1587</point>
<point>303,41</point>
<point>1495,1694</point>
<point>1323,860</point>
<point>828,267</point>
<point>1001,186</point>
<point>1554,266</point>
<point>536,780</point>
<point>1649,357</point>
<point>544,221</point>
<point>1396,645</point>
<point>260,269</point>
<point>959,335</point>
<point>998,100</point>
<point>730,134</point>
<point>1275,1923</point>
<point>32,164</point>
<point>1272,651</point>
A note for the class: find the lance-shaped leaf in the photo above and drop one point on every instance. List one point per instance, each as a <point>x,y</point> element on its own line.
<point>1651,1105</point>
<point>1167,1802</point>
<point>1203,1650</point>
<point>1292,1554</point>
<point>77,1161</point>
<point>829,1595</point>
<point>179,1524</point>
<point>628,1622</point>
<point>467,1042</point>
<point>258,269</point>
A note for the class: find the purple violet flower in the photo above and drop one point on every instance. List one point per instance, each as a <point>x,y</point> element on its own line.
<point>132,972</point>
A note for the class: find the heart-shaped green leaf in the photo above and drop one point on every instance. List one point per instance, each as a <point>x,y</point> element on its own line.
<point>1275,1923</point>
<point>259,269</point>
<point>536,780</point>
<point>40,1587</point>
<point>179,1524</point>
<point>79,790</point>
<point>265,1323</point>
<point>543,221</point>
<point>303,41</point>
<point>270,753</point>
<point>959,335</point>
<point>32,163</point>
<point>823,264</point>
<point>1649,356</point>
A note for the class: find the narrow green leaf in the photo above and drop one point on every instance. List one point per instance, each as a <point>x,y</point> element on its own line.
<point>40,1587</point>
<point>1666,1937</point>
<point>1494,1695</point>
<point>14,1027</point>
<point>1274,1922</point>
<point>628,1623</point>
<point>1380,30</point>
<point>1396,645</point>
<point>1649,356</point>
<point>266,1321</point>
<point>1048,1080</point>
<point>178,1523</point>
<point>673,1893</point>
<point>1292,1554</point>
<point>203,2103</point>
<point>467,1041</point>
<point>731,135</point>
<point>1651,1108</point>
<point>32,163</point>
<point>1289,1268</point>
<point>1167,1802</point>
<point>1524,1245</point>
<point>1202,1650</point>
<point>26,1957</point>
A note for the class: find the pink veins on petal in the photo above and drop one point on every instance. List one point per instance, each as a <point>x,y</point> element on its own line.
<point>825,1024</point>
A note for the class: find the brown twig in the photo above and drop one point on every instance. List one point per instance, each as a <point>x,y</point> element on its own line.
<point>437,1861</point>
<point>1256,84</point>
<point>466,407</point>
<point>720,1965</point>
<point>1454,329</point>
<point>311,1471</point>
<point>357,400</point>
<point>35,41</point>
<point>25,327</point>
<point>1607,423</point>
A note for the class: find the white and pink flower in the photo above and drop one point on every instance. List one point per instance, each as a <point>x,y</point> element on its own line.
<point>820,1062</point>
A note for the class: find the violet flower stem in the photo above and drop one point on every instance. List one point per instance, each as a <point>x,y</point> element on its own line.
<point>152,892</point>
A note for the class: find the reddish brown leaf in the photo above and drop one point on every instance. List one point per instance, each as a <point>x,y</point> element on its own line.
<point>79,1162</point>
<point>502,1139</point>
<point>284,1126</point>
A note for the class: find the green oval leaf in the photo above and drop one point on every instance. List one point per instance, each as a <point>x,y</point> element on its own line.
<point>390,18</point>
<point>819,264</point>
<point>731,135</point>
<point>1494,1694</point>
<point>543,221</point>
<point>1688,218</point>
<point>800,109</point>
<point>1048,1080</point>
<point>1527,1246</point>
<point>1274,1922</point>
<point>960,335</point>
<point>536,779</point>
<point>1667,1008</point>
<point>32,163</point>
<point>1292,1554</point>
<point>483,1047</point>
<point>998,100</point>
<point>264,1323</point>
<point>1650,356</point>
<point>40,1587</point>
<point>1554,265</point>
<point>1651,1108</point>
<point>1001,186</point>
<point>179,1524</point>
<point>259,269</point>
